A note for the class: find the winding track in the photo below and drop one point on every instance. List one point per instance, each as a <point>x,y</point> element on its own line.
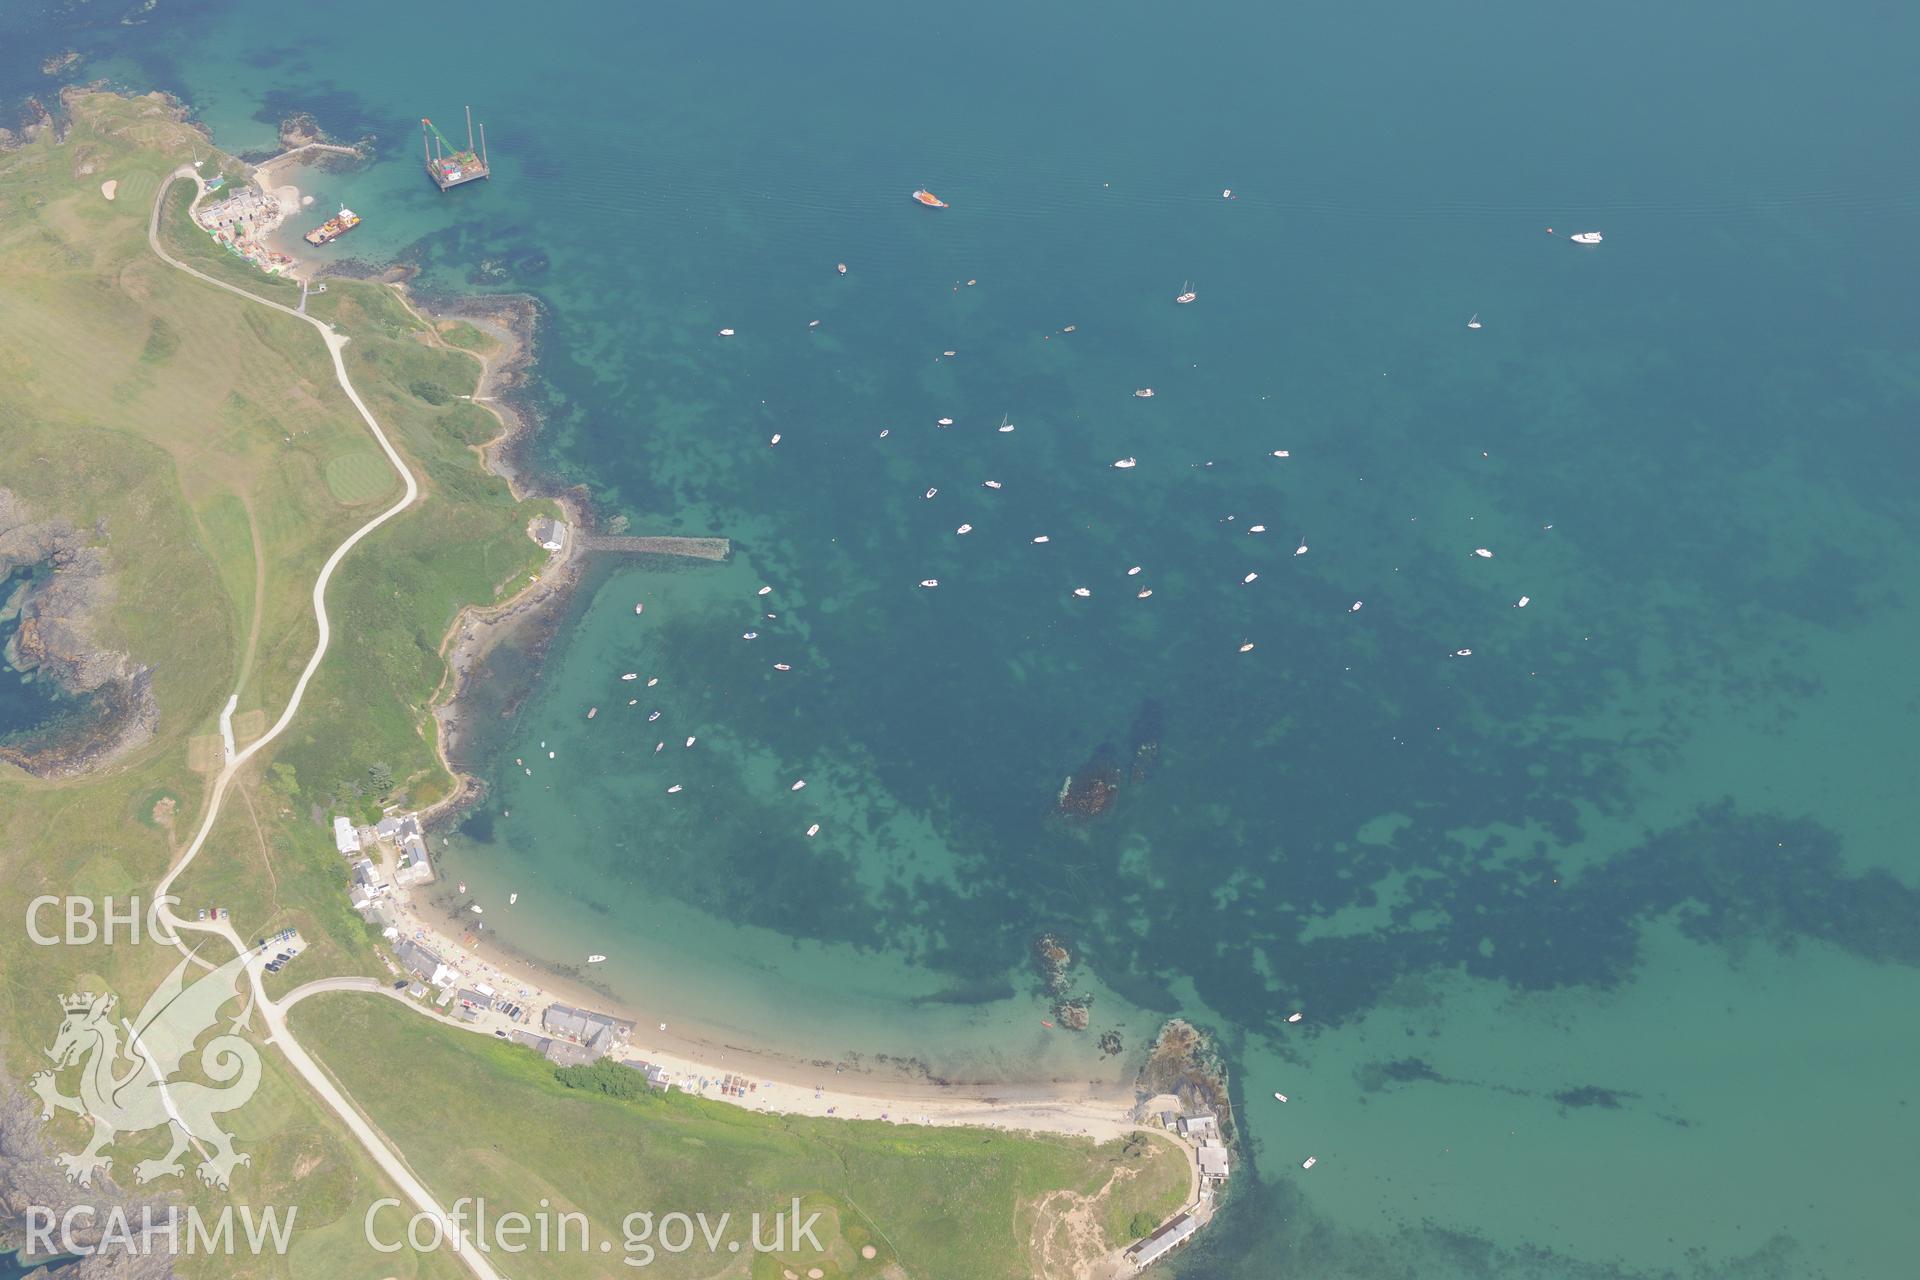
<point>273,1014</point>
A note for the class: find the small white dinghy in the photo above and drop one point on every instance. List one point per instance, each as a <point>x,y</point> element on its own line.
<point>595,959</point>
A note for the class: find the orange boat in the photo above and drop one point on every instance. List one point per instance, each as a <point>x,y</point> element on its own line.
<point>333,228</point>
<point>929,199</point>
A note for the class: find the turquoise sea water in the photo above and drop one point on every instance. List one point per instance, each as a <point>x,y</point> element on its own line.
<point>1604,935</point>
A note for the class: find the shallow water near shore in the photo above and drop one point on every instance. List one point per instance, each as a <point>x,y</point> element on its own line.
<point>1604,934</point>
<point>27,703</point>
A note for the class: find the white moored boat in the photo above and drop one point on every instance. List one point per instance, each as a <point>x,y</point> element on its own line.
<point>1587,237</point>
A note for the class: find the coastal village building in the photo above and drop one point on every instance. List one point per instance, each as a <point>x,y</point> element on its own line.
<point>403,832</point>
<point>656,1076</point>
<point>549,533</point>
<point>1198,1128</point>
<point>423,963</point>
<point>472,1003</point>
<point>562,1054</point>
<point>414,867</point>
<point>599,1032</point>
<point>377,912</point>
<point>559,1052</point>
<point>237,222</point>
<point>1174,1233</point>
<point>1213,1160</point>
<point>367,878</point>
<point>345,838</point>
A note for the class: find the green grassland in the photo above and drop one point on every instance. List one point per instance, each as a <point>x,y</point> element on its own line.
<point>206,439</point>
<point>193,429</point>
<point>950,1204</point>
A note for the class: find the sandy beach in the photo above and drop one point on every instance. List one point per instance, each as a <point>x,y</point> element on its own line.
<point>698,1059</point>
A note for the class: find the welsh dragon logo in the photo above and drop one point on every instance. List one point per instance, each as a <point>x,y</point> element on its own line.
<point>127,1086</point>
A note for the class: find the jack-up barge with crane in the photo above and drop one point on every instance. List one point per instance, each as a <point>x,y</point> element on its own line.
<point>450,166</point>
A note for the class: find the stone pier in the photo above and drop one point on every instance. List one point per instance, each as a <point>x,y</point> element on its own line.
<point>698,548</point>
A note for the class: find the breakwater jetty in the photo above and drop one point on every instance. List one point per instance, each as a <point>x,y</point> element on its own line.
<point>622,544</point>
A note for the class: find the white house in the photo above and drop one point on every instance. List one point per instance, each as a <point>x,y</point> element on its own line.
<point>367,878</point>
<point>345,838</point>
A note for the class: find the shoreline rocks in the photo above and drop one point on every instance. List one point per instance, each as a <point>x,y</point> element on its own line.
<point>116,709</point>
<point>1182,1062</point>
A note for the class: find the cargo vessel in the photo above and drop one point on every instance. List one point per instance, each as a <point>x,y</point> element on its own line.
<point>333,228</point>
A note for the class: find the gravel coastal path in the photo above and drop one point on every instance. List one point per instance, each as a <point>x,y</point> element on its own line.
<point>382,1153</point>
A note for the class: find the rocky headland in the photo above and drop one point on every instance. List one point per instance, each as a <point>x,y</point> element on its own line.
<point>114,709</point>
